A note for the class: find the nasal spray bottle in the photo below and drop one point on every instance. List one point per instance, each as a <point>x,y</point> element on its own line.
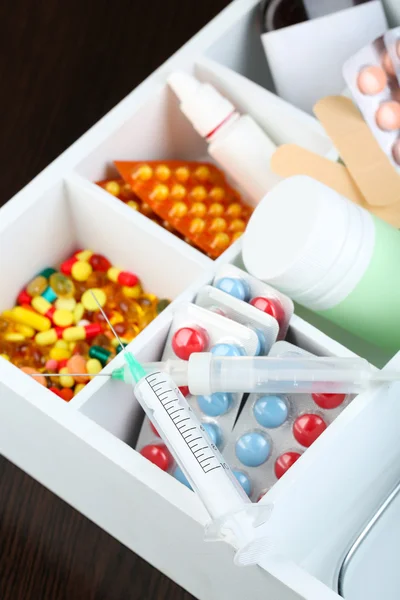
<point>241,148</point>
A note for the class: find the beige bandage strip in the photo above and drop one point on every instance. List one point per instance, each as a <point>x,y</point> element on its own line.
<point>370,168</point>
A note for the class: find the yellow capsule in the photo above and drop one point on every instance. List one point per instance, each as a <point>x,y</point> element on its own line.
<point>62,344</point>
<point>237,235</point>
<point>132,292</point>
<point>73,334</point>
<point>198,209</point>
<point>133,204</point>
<point>198,193</point>
<point>81,270</point>
<point>144,173</point>
<point>66,380</point>
<point>116,317</point>
<point>41,305</point>
<point>93,366</point>
<point>63,318</point>
<point>113,273</point>
<point>178,210</point>
<point>26,331</point>
<point>84,255</point>
<point>215,209</point>
<point>197,226</point>
<point>14,337</point>
<point>217,193</point>
<point>160,192</point>
<point>221,240</point>
<point>5,356</point>
<point>65,304</point>
<point>218,224</point>
<point>78,388</point>
<point>37,286</point>
<point>78,312</point>
<point>237,225</point>
<point>28,317</point>
<point>59,353</point>
<point>113,188</point>
<point>234,210</point>
<point>46,338</point>
<point>178,191</point>
<point>89,303</point>
<point>202,172</point>
<point>163,172</point>
<point>182,174</point>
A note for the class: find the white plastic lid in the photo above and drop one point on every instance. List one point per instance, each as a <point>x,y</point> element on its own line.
<point>305,239</point>
<point>201,103</point>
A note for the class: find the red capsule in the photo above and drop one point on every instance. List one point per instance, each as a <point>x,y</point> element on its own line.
<point>66,266</point>
<point>158,455</point>
<point>127,279</point>
<point>284,462</point>
<point>307,428</point>
<point>92,330</point>
<point>99,263</point>
<point>24,297</point>
<point>329,400</point>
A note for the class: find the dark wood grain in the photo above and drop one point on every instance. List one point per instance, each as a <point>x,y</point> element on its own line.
<point>63,65</point>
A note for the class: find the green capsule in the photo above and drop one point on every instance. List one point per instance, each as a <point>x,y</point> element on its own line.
<point>47,272</point>
<point>119,348</point>
<point>162,304</point>
<point>102,354</point>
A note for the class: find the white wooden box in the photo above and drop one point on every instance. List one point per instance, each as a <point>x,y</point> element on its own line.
<point>82,450</point>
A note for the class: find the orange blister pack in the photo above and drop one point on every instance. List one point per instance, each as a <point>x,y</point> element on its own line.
<point>192,197</point>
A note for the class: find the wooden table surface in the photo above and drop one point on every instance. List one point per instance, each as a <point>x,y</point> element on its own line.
<point>63,65</point>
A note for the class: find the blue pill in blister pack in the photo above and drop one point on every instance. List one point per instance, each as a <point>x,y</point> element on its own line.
<point>271,411</point>
<point>180,476</point>
<point>225,349</point>
<point>214,433</point>
<point>253,449</point>
<point>244,481</point>
<point>239,288</point>
<point>261,342</point>
<point>215,404</point>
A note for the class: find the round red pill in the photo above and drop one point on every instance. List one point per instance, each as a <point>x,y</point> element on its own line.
<point>307,428</point>
<point>127,279</point>
<point>158,455</point>
<point>99,263</point>
<point>184,390</point>
<point>284,462</point>
<point>187,340</point>
<point>66,394</point>
<point>66,266</point>
<point>329,400</point>
<point>271,306</point>
<point>24,298</point>
<point>154,430</point>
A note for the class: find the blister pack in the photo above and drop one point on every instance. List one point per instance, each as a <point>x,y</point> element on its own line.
<point>265,326</point>
<point>392,43</point>
<point>245,287</point>
<point>371,78</point>
<point>273,430</point>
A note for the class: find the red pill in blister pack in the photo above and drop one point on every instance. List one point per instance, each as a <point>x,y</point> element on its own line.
<point>274,430</point>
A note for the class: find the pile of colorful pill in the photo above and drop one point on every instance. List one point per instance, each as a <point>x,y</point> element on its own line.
<point>57,327</point>
<point>192,198</point>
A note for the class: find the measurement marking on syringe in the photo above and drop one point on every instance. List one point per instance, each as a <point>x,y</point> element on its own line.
<point>168,404</point>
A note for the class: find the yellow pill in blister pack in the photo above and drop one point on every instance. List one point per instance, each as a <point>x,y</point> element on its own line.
<point>178,191</point>
<point>221,240</point>
<point>197,226</point>
<point>133,204</point>
<point>144,173</point>
<point>112,187</point>
<point>218,224</point>
<point>237,225</point>
<point>217,193</point>
<point>163,172</point>
<point>178,210</point>
<point>198,193</point>
<point>182,174</point>
<point>234,210</point>
<point>237,235</point>
<point>160,192</point>
<point>202,172</point>
<point>216,209</point>
<point>198,209</point>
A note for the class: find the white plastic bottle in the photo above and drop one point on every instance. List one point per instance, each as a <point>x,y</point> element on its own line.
<point>236,143</point>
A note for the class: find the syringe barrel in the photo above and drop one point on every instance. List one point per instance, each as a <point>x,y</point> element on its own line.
<point>290,374</point>
<point>190,445</point>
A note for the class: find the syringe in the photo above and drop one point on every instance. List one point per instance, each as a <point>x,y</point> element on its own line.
<point>205,373</point>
